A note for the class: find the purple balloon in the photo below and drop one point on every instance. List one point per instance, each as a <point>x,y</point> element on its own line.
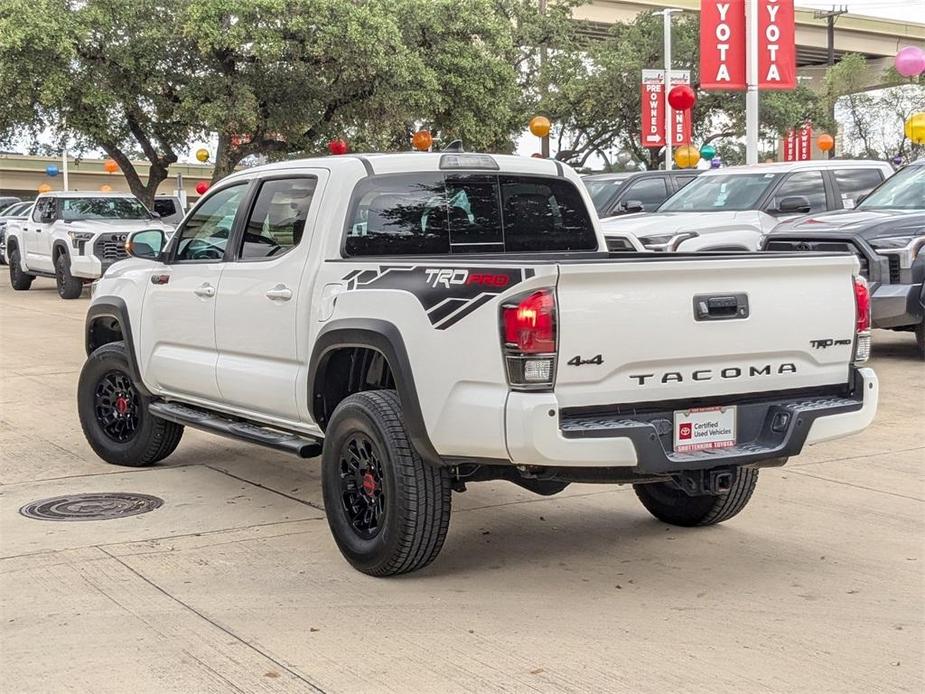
<point>910,61</point>
<point>897,160</point>
<point>716,162</point>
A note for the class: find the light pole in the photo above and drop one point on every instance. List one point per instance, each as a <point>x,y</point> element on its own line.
<point>751,82</point>
<point>666,16</point>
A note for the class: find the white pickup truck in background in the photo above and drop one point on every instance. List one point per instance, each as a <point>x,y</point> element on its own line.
<point>731,209</point>
<point>427,320</point>
<point>74,237</point>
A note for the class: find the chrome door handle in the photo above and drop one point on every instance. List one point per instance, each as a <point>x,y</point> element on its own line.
<point>204,290</point>
<point>279,293</point>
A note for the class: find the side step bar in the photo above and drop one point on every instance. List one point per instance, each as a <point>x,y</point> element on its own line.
<point>224,425</point>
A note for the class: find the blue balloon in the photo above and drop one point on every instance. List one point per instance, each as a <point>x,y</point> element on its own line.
<point>51,170</point>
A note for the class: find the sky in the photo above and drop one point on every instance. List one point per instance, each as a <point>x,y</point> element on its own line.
<point>887,9</point>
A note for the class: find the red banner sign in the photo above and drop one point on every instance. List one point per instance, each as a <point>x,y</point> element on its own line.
<point>722,45</point>
<point>723,38</point>
<point>798,144</point>
<point>652,98</point>
<point>777,67</point>
<point>653,114</point>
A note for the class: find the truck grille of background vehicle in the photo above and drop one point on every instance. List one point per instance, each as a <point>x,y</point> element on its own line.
<point>862,325</point>
<point>894,261</point>
<point>529,340</point>
<point>619,244</point>
<point>110,247</point>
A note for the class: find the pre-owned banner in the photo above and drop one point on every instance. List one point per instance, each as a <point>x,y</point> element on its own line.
<point>653,110</point>
<point>722,45</point>
<point>777,67</point>
<point>723,39</point>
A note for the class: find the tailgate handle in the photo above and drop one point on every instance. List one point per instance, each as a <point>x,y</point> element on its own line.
<point>720,306</point>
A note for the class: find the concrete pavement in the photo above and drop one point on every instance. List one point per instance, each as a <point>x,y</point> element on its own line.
<point>235,584</point>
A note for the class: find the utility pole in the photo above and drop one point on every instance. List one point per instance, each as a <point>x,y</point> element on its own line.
<point>544,141</point>
<point>830,16</point>
<point>669,117</point>
<point>751,82</point>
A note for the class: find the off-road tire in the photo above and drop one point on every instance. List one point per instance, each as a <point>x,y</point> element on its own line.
<point>920,339</point>
<point>670,504</point>
<point>416,507</point>
<point>154,439</point>
<point>19,280</point>
<point>69,287</point>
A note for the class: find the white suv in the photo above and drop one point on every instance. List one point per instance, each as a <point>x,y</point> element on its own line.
<point>730,209</point>
<point>74,237</point>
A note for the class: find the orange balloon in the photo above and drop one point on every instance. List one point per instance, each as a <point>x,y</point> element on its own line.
<point>825,142</point>
<point>540,125</point>
<point>44,188</point>
<point>422,140</point>
<point>105,188</point>
<point>110,166</point>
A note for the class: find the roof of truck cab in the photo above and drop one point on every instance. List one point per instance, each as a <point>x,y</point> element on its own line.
<point>84,194</point>
<point>398,162</point>
<point>789,166</point>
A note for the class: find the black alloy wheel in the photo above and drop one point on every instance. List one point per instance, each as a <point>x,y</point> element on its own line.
<point>362,489</point>
<point>116,406</point>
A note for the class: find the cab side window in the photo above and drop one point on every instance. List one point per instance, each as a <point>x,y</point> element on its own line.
<point>853,183</point>
<point>44,210</point>
<point>205,234</point>
<point>805,184</point>
<point>276,223</point>
<point>651,192</point>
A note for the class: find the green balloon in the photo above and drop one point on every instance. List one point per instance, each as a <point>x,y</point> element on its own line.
<point>708,151</point>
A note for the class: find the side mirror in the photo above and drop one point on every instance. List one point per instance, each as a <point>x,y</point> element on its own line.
<point>47,217</point>
<point>147,243</point>
<point>794,204</point>
<point>632,206</point>
<point>155,215</point>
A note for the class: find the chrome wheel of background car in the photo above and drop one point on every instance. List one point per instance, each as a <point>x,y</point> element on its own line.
<point>116,407</point>
<point>362,492</point>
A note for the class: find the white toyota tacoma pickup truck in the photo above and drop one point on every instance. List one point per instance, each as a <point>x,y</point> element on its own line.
<point>423,321</point>
<point>74,237</point>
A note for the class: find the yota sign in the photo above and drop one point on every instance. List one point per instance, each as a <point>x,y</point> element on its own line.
<point>723,40</point>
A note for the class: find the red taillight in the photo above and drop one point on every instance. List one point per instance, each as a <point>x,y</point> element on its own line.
<point>862,304</point>
<point>530,326</point>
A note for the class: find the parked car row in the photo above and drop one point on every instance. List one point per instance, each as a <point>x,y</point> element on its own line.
<point>856,207</point>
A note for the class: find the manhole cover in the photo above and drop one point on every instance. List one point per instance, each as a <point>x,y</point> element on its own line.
<point>90,507</point>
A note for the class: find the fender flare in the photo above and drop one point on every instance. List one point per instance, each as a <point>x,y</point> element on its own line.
<point>64,249</point>
<point>385,338</point>
<point>114,307</point>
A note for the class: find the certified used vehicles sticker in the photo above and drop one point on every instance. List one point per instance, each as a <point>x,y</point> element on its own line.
<point>706,427</point>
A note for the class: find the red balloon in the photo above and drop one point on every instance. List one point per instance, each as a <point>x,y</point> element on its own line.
<point>337,146</point>
<point>682,97</point>
<point>202,187</point>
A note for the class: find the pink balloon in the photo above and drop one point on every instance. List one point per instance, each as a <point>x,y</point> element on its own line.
<point>910,61</point>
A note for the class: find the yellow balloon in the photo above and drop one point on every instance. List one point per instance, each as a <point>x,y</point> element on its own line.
<point>915,128</point>
<point>202,154</point>
<point>44,188</point>
<point>686,156</point>
<point>539,126</point>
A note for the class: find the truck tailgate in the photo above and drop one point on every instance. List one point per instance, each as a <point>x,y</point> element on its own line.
<point>641,317</point>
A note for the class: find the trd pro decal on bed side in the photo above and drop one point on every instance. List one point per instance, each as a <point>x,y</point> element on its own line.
<point>448,294</point>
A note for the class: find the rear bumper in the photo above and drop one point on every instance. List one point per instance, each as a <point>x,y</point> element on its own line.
<point>769,428</point>
<point>896,305</point>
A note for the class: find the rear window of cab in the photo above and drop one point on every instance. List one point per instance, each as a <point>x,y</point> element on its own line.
<point>456,213</point>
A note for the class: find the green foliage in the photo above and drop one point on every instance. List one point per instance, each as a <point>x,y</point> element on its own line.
<point>873,120</point>
<point>270,77</point>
